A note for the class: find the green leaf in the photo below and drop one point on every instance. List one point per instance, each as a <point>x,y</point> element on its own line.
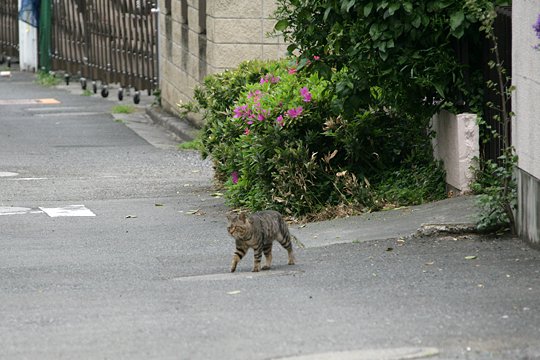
<point>393,8</point>
<point>327,12</point>
<point>408,7</point>
<point>417,21</point>
<point>346,6</point>
<point>456,19</point>
<point>281,25</point>
<point>291,48</point>
<point>367,9</point>
<point>439,89</point>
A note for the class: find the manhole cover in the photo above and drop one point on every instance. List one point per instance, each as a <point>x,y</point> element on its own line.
<point>405,353</point>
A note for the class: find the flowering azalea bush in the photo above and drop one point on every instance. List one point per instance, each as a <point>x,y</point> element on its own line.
<point>265,146</point>
<point>279,138</point>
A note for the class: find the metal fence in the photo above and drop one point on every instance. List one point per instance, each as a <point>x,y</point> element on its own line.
<point>107,41</point>
<point>493,146</point>
<point>9,31</point>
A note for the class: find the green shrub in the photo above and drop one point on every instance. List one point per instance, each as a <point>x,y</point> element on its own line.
<point>279,139</point>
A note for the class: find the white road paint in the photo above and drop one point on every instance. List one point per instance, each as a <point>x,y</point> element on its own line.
<point>15,210</point>
<point>28,179</point>
<point>7,174</point>
<point>71,114</point>
<point>70,210</point>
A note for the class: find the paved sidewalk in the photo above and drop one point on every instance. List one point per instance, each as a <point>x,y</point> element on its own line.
<point>389,224</point>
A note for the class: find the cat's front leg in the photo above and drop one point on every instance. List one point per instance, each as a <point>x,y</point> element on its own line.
<point>238,255</point>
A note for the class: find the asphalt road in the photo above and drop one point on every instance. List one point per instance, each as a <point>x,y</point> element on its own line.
<point>146,277</point>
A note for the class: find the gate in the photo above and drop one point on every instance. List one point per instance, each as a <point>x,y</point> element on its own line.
<point>107,41</point>
<point>9,31</point>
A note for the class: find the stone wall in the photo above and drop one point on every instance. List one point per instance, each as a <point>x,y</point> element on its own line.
<point>199,37</point>
<point>526,124</point>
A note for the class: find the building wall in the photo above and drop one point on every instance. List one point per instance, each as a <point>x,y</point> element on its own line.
<point>526,124</point>
<point>199,37</point>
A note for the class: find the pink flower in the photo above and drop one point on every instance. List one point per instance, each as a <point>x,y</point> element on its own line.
<point>275,79</point>
<point>280,120</point>
<point>260,117</point>
<point>316,57</point>
<point>234,177</point>
<point>292,71</point>
<point>246,131</point>
<point>305,94</point>
<point>239,111</point>
<point>295,112</point>
<point>255,94</point>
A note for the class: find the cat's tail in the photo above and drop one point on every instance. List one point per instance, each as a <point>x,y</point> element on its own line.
<point>297,242</point>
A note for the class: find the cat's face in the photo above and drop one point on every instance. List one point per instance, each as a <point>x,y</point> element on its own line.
<point>239,227</point>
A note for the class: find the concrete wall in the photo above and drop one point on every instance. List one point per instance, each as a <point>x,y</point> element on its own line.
<point>457,144</point>
<point>200,37</point>
<point>526,124</point>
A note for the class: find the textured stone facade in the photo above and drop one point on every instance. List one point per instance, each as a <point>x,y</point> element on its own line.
<point>201,37</point>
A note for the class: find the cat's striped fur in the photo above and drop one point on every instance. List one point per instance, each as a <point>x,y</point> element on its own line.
<point>258,231</point>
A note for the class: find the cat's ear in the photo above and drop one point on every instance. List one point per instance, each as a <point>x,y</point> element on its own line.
<point>231,216</point>
<point>242,217</point>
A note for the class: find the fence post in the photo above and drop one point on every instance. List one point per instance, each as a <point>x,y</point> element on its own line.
<point>45,35</point>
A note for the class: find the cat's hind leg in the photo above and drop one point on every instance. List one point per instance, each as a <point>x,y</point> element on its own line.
<point>257,254</point>
<point>286,242</point>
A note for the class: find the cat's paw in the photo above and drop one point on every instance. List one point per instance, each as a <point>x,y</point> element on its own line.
<point>256,269</point>
<point>266,267</point>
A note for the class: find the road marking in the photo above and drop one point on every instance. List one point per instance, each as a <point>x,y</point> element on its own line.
<point>7,174</point>
<point>54,108</point>
<point>28,101</point>
<point>15,210</point>
<point>95,113</point>
<point>70,210</point>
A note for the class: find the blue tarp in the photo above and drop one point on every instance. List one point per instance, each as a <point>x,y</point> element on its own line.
<point>29,12</point>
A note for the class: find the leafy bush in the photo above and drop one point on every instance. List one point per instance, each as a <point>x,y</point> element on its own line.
<point>407,48</point>
<point>497,191</point>
<point>279,139</point>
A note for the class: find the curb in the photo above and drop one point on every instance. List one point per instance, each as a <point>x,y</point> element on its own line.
<point>182,128</point>
<point>445,229</point>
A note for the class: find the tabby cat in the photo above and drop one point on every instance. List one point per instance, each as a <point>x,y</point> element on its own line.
<point>258,231</point>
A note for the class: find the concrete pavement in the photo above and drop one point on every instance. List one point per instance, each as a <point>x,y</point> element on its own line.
<point>147,276</point>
